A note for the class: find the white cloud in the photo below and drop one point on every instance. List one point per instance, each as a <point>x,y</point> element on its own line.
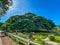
<point>20,5</point>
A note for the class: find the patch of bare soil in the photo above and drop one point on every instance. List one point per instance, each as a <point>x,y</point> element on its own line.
<point>8,41</point>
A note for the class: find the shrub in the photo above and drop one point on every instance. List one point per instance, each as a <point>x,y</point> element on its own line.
<point>52,38</point>
<point>57,39</point>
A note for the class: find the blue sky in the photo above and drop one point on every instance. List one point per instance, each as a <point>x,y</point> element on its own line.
<point>47,8</point>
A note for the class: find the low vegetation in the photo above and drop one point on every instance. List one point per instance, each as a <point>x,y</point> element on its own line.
<point>55,38</point>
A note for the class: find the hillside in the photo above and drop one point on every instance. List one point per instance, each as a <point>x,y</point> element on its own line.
<point>27,22</point>
<point>0,24</point>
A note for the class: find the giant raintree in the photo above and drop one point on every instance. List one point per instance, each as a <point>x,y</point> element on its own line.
<point>28,22</point>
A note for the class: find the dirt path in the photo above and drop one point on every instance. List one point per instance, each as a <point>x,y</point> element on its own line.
<point>8,41</point>
<point>50,42</point>
<point>0,41</point>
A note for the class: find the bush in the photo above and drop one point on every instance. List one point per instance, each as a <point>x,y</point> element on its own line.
<point>57,39</point>
<point>52,38</point>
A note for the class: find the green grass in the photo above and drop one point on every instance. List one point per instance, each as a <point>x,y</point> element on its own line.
<point>39,36</point>
<point>57,38</point>
<point>23,35</point>
<point>39,41</point>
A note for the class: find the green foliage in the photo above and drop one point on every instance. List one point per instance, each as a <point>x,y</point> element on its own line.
<point>28,22</point>
<point>38,39</point>
<point>4,6</point>
<point>1,24</point>
<point>57,39</point>
<point>52,38</point>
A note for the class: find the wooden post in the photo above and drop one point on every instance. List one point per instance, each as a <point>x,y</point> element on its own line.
<point>16,32</point>
<point>30,36</point>
<point>28,43</point>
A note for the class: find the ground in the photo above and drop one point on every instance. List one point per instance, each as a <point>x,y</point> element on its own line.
<point>50,42</point>
<point>8,41</point>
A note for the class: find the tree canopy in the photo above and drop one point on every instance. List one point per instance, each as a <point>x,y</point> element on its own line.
<point>27,22</point>
<point>4,6</point>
